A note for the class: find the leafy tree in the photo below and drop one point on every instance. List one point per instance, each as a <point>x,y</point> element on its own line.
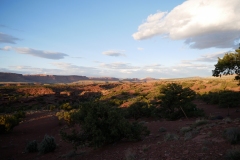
<point>176,101</point>
<point>228,65</point>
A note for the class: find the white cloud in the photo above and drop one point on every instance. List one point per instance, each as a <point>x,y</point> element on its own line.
<point>118,65</point>
<point>211,57</point>
<point>6,48</point>
<point>41,53</point>
<point>68,68</point>
<point>201,23</point>
<point>114,53</point>
<point>5,38</point>
<point>37,53</point>
<point>140,49</point>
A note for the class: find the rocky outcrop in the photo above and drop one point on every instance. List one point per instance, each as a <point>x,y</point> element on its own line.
<point>11,77</point>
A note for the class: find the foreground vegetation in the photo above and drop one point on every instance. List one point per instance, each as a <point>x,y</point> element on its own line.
<point>110,112</point>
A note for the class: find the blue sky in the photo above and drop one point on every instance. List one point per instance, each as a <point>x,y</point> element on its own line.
<point>112,38</point>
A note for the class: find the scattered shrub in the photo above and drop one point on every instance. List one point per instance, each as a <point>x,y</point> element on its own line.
<point>233,154</point>
<point>52,107</point>
<point>202,86</point>
<point>32,146</point>
<point>20,114</point>
<point>200,122</point>
<point>170,137</point>
<point>187,136</point>
<point>187,84</point>
<point>115,102</point>
<point>48,144</point>
<point>66,115</point>
<point>66,106</point>
<point>232,135</point>
<point>185,129</point>
<point>162,129</point>
<point>7,123</point>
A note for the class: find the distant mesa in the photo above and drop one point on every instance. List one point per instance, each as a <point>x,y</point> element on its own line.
<point>12,77</point>
<point>103,78</point>
<point>131,79</point>
<point>44,78</point>
<point>40,78</point>
<point>149,79</point>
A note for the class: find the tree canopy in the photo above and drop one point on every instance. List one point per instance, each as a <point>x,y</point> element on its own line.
<point>228,65</point>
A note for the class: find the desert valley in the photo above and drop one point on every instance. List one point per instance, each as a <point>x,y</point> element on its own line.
<point>46,113</point>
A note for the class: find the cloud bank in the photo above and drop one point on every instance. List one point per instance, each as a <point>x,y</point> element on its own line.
<point>201,23</point>
<point>5,38</point>
<point>37,53</point>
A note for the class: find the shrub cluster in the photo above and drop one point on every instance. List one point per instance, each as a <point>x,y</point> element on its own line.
<point>233,154</point>
<point>222,98</point>
<point>66,115</point>
<point>141,109</point>
<point>8,122</point>
<point>232,135</point>
<point>48,144</point>
<point>102,124</point>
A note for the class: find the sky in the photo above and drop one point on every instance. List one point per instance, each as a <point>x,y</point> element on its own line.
<point>117,38</point>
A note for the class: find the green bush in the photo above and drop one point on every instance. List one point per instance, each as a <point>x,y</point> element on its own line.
<point>102,124</point>
<point>139,110</point>
<point>229,99</point>
<point>222,98</point>
<point>176,102</point>
<point>66,106</point>
<point>48,144</point>
<point>66,115</point>
<point>211,97</point>
<point>7,123</point>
